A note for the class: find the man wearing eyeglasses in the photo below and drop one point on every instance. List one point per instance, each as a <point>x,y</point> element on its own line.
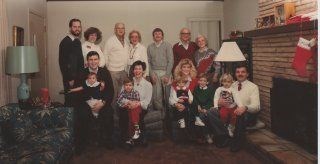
<point>184,48</point>
<point>116,54</point>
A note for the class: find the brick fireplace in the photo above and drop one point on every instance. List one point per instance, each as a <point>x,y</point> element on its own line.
<point>273,52</point>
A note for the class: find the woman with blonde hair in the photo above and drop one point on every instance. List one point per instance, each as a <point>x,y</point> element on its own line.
<point>185,69</point>
<point>137,51</point>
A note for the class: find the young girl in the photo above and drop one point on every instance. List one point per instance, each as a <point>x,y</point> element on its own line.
<point>91,91</point>
<point>180,94</point>
<point>127,99</point>
<point>227,114</point>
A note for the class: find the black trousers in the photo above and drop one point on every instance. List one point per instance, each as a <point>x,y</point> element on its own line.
<point>246,119</point>
<point>86,125</point>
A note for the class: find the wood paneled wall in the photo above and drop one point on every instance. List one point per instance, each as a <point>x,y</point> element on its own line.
<point>272,57</point>
<point>302,6</point>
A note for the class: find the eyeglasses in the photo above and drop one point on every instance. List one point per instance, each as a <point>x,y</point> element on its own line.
<point>183,33</point>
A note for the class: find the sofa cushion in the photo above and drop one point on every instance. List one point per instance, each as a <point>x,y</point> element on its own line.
<point>17,129</point>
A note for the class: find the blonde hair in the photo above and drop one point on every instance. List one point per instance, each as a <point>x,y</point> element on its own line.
<point>178,72</point>
<point>225,77</point>
<point>137,32</point>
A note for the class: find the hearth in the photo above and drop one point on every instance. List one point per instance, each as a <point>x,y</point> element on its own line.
<point>294,112</point>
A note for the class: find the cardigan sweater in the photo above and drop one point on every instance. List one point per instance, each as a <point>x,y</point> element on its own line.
<point>116,54</point>
<point>179,53</point>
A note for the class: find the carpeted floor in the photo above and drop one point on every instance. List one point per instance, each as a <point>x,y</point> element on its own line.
<point>165,152</point>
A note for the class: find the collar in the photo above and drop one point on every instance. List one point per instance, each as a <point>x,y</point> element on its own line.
<point>138,45</point>
<point>181,43</point>
<point>244,82</point>
<point>87,43</point>
<point>94,71</point>
<point>204,50</point>
<point>184,87</point>
<point>158,44</point>
<point>72,37</point>
<point>203,88</point>
<point>93,85</point>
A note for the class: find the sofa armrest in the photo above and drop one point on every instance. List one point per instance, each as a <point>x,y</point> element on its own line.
<point>52,118</point>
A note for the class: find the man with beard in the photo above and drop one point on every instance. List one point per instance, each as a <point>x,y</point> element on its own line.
<point>71,61</point>
<point>247,115</point>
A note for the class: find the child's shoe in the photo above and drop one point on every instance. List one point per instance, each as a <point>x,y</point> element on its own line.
<point>209,139</point>
<point>136,133</point>
<point>182,123</point>
<point>231,130</point>
<point>199,122</point>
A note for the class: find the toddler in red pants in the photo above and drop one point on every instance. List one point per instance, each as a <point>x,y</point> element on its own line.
<point>126,100</point>
<point>226,92</point>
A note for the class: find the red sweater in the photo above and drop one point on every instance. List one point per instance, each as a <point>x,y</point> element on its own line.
<point>179,52</point>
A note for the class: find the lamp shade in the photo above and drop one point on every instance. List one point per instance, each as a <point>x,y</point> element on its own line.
<point>22,59</point>
<point>230,52</point>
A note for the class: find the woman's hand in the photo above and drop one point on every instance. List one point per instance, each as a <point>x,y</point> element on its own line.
<point>153,79</point>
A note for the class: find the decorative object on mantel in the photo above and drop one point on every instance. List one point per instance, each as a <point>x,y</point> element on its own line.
<point>304,51</point>
<point>45,98</point>
<point>303,18</point>
<point>265,22</point>
<point>22,60</point>
<point>236,34</point>
<point>283,12</point>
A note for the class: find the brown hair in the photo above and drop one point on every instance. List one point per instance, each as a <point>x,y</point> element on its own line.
<point>92,30</point>
<point>127,80</point>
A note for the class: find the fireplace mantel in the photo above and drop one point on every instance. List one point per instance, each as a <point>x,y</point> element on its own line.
<point>312,25</point>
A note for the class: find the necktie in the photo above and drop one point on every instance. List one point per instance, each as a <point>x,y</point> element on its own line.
<point>239,86</point>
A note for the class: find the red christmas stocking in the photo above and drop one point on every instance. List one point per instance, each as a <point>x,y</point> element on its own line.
<point>303,54</point>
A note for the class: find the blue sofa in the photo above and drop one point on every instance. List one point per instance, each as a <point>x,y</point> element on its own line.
<point>35,136</point>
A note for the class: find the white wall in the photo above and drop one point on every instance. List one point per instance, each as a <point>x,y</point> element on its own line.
<point>18,15</point>
<point>239,15</point>
<point>144,16</point>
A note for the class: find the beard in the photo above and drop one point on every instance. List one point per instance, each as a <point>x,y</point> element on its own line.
<point>76,33</point>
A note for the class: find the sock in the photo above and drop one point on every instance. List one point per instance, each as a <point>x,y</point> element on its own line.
<point>303,54</point>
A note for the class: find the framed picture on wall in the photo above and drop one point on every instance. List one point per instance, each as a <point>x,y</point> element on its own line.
<point>18,36</point>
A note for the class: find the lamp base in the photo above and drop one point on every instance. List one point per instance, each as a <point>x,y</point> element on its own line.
<point>24,104</point>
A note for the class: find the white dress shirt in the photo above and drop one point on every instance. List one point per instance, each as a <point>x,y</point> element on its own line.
<point>87,47</point>
<point>116,54</point>
<point>144,88</point>
<point>249,95</point>
<point>138,52</point>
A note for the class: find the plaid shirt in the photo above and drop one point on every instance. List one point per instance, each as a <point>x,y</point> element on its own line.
<point>124,97</point>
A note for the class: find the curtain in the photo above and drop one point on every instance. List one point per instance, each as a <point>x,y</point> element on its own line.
<point>4,84</point>
<point>208,28</point>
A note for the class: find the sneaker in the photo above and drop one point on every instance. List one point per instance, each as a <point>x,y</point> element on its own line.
<point>209,139</point>
<point>136,134</point>
<point>182,124</point>
<point>231,130</point>
<point>199,122</point>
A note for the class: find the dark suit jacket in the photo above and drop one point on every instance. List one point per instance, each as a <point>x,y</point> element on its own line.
<point>70,60</point>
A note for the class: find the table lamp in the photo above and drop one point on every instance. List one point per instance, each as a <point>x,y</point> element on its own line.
<point>22,60</point>
<point>229,52</point>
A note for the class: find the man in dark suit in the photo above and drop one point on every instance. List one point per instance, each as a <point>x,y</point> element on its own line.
<point>104,121</point>
<point>71,61</point>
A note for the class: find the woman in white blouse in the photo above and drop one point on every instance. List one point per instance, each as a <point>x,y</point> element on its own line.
<point>144,88</point>
<point>92,35</point>
<point>137,51</point>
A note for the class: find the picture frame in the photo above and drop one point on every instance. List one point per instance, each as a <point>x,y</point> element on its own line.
<point>17,36</point>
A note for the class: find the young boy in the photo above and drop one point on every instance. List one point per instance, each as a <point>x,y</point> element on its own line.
<point>180,94</point>
<point>91,91</point>
<point>127,98</point>
<point>227,114</point>
<point>203,100</point>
